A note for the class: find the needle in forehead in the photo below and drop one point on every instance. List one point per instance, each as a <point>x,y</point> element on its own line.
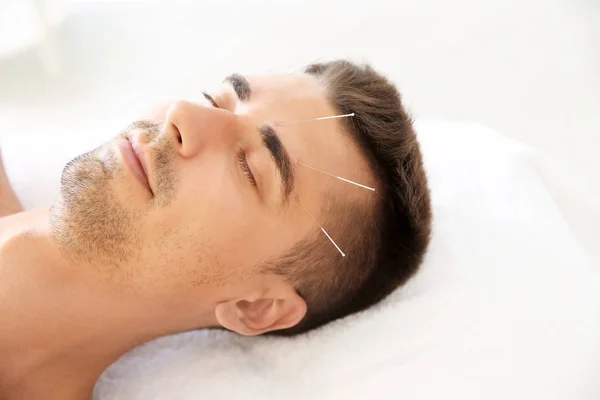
<point>317,169</point>
<point>338,177</point>
<point>314,119</point>
<point>306,65</point>
<point>323,230</point>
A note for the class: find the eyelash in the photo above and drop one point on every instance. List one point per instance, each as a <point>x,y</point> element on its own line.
<point>211,99</point>
<point>241,157</point>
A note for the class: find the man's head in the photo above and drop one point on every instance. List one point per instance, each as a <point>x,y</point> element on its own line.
<point>227,216</point>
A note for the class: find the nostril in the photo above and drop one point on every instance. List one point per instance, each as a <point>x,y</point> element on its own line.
<point>177,133</point>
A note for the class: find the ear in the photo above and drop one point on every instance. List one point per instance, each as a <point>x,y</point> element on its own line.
<point>253,316</point>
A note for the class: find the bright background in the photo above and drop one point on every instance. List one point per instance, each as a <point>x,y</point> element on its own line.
<point>527,68</point>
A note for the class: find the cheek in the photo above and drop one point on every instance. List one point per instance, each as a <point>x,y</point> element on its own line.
<point>215,227</point>
<point>211,212</point>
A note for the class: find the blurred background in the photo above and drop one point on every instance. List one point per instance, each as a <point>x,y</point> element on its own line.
<point>527,68</point>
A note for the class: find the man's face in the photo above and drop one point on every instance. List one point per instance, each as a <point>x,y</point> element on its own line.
<point>226,190</point>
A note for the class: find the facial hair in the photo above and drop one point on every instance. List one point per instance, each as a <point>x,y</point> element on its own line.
<point>89,223</point>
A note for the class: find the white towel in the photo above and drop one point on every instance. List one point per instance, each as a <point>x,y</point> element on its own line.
<point>505,306</point>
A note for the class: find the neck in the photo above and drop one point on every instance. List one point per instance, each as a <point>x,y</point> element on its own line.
<point>62,324</point>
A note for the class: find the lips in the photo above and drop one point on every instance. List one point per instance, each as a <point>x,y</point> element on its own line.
<point>134,159</point>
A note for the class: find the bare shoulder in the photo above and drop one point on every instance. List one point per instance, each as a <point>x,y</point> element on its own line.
<point>9,203</point>
<point>18,223</point>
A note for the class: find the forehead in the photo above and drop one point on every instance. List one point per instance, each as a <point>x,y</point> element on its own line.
<point>285,98</point>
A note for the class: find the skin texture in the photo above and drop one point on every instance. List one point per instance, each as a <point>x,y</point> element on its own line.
<point>112,264</point>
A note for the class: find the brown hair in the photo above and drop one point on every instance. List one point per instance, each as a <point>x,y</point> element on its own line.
<point>387,237</point>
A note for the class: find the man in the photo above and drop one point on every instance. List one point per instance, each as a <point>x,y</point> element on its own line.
<point>212,214</point>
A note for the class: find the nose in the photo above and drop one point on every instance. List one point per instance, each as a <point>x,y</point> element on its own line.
<point>196,127</point>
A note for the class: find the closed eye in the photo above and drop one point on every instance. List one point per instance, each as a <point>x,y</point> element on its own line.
<point>241,157</point>
<point>211,99</point>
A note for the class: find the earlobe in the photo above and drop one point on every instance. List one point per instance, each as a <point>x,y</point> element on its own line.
<point>253,317</point>
<point>227,316</point>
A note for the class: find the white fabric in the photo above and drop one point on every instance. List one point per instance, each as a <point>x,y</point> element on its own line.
<point>505,306</point>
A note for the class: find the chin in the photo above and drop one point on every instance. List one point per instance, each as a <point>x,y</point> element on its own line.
<point>90,222</point>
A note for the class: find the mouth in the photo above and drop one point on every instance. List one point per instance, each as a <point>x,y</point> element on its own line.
<point>134,159</point>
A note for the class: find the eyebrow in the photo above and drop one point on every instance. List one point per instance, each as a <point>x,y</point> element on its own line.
<point>240,85</point>
<point>279,154</point>
<point>270,139</point>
